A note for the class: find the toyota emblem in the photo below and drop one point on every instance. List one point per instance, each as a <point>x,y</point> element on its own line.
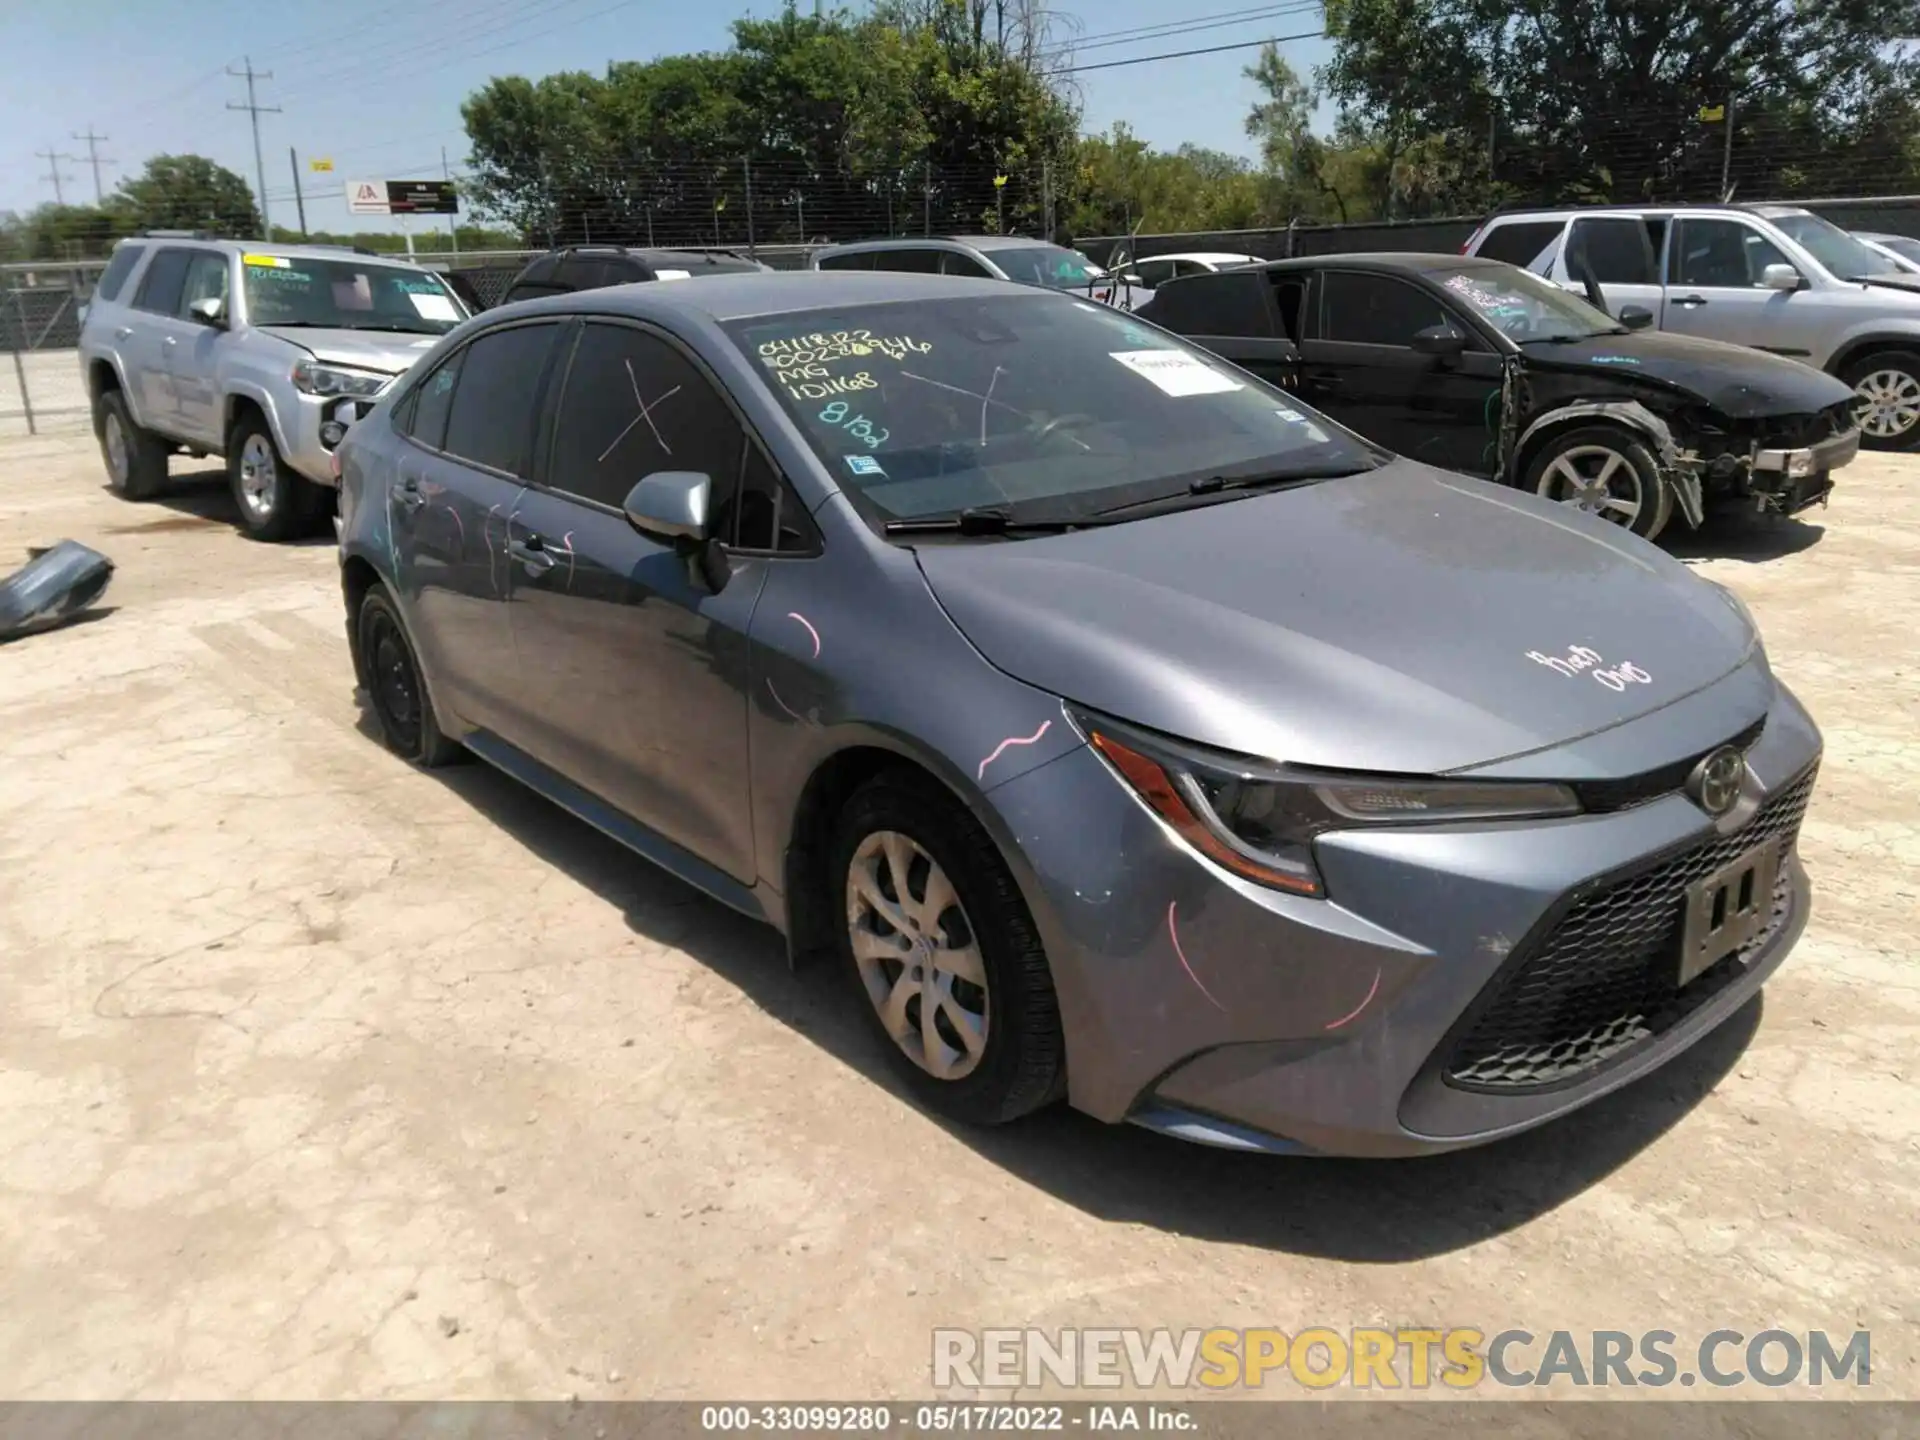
<point>1716,781</point>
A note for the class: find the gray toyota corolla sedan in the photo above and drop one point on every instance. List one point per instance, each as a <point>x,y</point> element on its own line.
<point>1129,733</point>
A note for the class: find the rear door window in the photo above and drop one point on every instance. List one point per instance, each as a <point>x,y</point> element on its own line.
<point>1361,309</point>
<point>426,417</point>
<point>915,261</point>
<point>1231,304</point>
<point>858,260</point>
<point>954,263</point>
<point>490,422</point>
<point>1617,249</point>
<point>165,279</point>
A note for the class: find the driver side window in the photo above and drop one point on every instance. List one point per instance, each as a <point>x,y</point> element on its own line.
<point>1725,254</point>
<point>1361,309</point>
<point>206,280</point>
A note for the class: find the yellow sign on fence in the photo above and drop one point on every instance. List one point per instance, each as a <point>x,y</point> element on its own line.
<point>320,167</point>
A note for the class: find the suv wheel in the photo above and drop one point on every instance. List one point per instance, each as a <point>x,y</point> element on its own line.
<point>943,954</point>
<point>275,502</point>
<point>136,461</point>
<point>1888,385</point>
<point>1604,471</point>
<point>395,687</point>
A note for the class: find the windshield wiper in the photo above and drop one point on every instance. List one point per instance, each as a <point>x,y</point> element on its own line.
<point>977,520</point>
<point>1220,484</point>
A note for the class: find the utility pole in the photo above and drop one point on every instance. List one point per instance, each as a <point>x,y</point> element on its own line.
<point>299,195</point>
<point>53,158</point>
<point>1726,156</point>
<point>254,111</point>
<point>93,158</point>
<point>453,221</point>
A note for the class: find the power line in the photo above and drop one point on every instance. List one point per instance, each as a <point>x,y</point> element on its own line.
<point>1106,39</point>
<point>53,158</point>
<point>254,110</point>
<point>1183,54</point>
<point>93,158</point>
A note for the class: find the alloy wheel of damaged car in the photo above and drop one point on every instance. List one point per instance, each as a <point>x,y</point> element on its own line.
<point>1889,407</point>
<point>1605,472</point>
<point>944,954</point>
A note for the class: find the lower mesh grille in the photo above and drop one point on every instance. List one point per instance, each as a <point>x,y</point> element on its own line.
<point>1606,976</point>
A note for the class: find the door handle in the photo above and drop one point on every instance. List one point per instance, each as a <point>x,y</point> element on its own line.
<point>1691,300</point>
<point>408,492</point>
<point>531,553</point>
<point>171,340</point>
<point>125,332</point>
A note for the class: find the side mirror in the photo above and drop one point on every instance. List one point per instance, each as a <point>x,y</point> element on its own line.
<point>1635,317</point>
<point>210,311</point>
<point>1782,277</point>
<point>671,506</point>
<point>1442,340</point>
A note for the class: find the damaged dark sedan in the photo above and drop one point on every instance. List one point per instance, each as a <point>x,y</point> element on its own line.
<point>1478,366</point>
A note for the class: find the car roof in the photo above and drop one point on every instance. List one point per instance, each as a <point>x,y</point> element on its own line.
<point>1402,260</point>
<point>984,243</point>
<point>1649,207</point>
<point>780,292</point>
<point>1211,255</point>
<point>260,247</point>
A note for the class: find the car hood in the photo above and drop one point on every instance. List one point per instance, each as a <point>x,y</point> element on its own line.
<point>393,351</point>
<point>1894,280</point>
<point>1740,382</point>
<point>1397,621</point>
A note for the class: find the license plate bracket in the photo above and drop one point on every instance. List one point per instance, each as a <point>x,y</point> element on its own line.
<point>1728,909</point>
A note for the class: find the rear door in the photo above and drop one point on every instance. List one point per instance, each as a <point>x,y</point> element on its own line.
<point>1621,253</point>
<point>1359,366</point>
<point>641,665</point>
<point>470,426</point>
<point>1235,316</point>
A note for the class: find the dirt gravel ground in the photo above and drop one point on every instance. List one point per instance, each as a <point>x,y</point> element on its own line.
<point>323,1077</point>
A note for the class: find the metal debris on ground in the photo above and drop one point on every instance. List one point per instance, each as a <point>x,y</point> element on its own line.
<point>56,583</point>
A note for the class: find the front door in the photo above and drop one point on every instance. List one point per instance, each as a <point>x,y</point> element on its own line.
<point>1359,366</point>
<point>638,653</point>
<point>193,351</point>
<point>470,424</point>
<point>1713,289</point>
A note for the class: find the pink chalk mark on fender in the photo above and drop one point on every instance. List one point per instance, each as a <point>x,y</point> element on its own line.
<point>1011,740</point>
<point>784,706</point>
<point>567,542</point>
<point>1355,1015</point>
<point>796,615</point>
<point>1174,935</point>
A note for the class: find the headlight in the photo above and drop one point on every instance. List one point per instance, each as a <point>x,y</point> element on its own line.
<point>311,377</point>
<point>1259,819</point>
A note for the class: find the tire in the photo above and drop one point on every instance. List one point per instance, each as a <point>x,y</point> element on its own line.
<point>136,460</point>
<point>1018,1064</point>
<point>1888,386</point>
<point>395,687</point>
<point>1635,497</point>
<point>275,501</point>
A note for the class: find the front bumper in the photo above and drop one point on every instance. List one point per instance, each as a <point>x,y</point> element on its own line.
<point>1220,1011</point>
<point>1798,464</point>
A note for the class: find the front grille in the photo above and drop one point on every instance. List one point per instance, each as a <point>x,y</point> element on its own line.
<point>1605,977</point>
<point>1793,432</point>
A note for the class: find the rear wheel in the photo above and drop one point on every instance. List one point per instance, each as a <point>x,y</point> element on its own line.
<point>943,954</point>
<point>136,460</point>
<point>275,501</point>
<point>395,686</point>
<point>1888,408</point>
<point>1607,472</point>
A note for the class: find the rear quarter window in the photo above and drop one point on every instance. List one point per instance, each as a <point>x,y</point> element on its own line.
<point>114,278</point>
<point>1233,303</point>
<point>1518,242</point>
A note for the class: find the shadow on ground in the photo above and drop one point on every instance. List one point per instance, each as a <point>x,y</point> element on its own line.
<point>1741,535</point>
<point>200,498</point>
<point>1378,1212</point>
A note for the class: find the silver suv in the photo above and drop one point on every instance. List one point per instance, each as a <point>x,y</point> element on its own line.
<point>262,354</point>
<point>985,257</point>
<point>1775,277</point>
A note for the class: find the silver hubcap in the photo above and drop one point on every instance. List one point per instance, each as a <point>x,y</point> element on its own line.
<point>257,475</point>
<point>918,956</point>
<point>1596,479</point>
<point>116,439</point>
<point>1889,403</point>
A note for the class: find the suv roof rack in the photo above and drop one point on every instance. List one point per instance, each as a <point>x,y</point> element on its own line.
<point>176,235</point>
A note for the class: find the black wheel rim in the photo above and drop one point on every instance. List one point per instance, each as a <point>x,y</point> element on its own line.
<point>396,684</point>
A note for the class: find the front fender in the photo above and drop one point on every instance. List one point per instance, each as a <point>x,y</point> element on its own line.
<point>1638,418</point>
<point>245,387</point>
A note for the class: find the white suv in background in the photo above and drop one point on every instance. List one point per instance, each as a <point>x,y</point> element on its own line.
<point>1159,269</point>
<point>1776,277</point>
<point>262,354</point>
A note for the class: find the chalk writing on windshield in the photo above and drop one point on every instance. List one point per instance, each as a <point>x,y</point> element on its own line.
<point>824,348</point>
<point>858,426</point>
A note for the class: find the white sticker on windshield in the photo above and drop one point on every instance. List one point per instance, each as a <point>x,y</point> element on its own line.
<point>432,307</point>
<point>1294,417</point>
<point>1176,373</point>
<point>673,274</point>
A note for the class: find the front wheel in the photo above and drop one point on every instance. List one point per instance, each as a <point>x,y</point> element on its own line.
<point>943,953</point>
<point>275,502</point>
<point>1607,472</point>
<point>1887,391</point>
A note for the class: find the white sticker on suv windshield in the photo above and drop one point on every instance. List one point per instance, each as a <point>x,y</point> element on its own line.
<point>432,307</point>
<point>1176,373</point>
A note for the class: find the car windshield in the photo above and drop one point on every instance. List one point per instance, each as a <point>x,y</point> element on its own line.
<point>304,291</point>
<point>1524,307</point>
<point>1048,265</point>
<point>1901,245</point>
<point>1843,255</point>
<point>1041,405</point>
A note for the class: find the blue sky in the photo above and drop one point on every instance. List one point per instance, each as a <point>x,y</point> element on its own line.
<point>376,86</point>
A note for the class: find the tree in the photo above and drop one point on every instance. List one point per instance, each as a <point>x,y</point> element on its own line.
<point>1602,99</point>
<point>187,192</point>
